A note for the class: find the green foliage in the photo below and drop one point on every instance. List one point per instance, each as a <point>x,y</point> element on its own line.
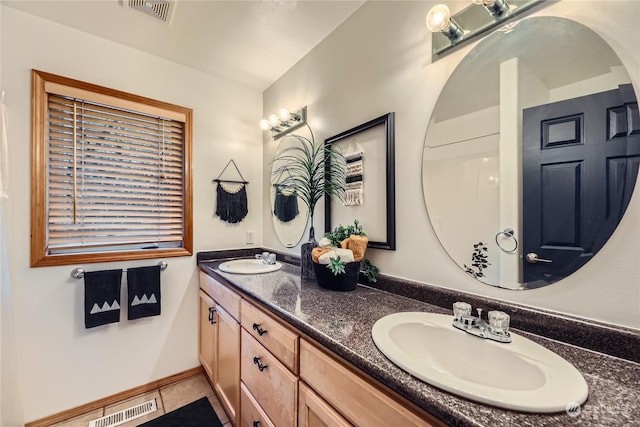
<point>370,271</point>
<point>310,170</point>
<point>479,260</point>
<point>336,265</point>
<point>341,232</point>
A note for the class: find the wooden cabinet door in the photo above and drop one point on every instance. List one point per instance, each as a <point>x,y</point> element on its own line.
<point>227,366</point>
<point>208,335</point>
<point>313,411</point>
<point>251,414</point>
<point>272,385</point>
<point>357,399</point>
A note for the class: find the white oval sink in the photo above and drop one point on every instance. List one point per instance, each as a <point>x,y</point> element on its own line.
<point>248,266</point>
<point>520,375</point>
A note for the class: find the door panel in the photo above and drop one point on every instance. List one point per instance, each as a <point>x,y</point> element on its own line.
<point>580,163</point>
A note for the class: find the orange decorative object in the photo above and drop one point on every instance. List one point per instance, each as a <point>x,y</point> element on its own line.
<point>357,244</point>
<point>316,252</point>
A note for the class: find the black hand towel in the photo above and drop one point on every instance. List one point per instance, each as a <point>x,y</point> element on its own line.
<point>101,297</point>
<point>144,291</point>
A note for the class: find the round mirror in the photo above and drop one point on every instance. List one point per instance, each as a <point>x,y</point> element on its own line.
<point>289,214</point>
<point>531,154</point>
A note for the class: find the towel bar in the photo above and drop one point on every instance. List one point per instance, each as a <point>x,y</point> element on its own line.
<point>78,273</point>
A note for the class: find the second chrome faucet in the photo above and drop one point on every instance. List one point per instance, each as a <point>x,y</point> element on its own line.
<point>496,329</point>
<point>267,258</point>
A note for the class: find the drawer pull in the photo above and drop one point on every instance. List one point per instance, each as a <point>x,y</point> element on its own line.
<point>258,329</point>
<point>261,367</point>
<point>256,424</point>
<point>212,311</point>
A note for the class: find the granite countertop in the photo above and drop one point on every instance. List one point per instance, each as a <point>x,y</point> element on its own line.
<point>342,322</point>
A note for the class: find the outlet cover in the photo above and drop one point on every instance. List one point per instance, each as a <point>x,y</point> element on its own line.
<point>250,238</point>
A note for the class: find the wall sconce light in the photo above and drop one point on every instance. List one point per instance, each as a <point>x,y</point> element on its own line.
<point>284,122</point>
<point>451,30</point>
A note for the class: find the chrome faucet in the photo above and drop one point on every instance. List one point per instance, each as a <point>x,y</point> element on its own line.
<point>267,258</point>
<point>497,329</point>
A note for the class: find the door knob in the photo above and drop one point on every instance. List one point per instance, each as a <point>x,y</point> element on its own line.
<point>532,258</point>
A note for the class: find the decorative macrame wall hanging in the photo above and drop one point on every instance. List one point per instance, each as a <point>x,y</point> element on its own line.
<point>285,201</point>
<point>231,205</point>
<point>354,194</point>
<point>285,205</point>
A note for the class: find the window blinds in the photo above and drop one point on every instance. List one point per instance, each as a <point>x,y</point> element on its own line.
<point>115,177</point>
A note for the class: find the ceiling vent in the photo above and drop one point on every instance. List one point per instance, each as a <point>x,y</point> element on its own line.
<point>159,9</point>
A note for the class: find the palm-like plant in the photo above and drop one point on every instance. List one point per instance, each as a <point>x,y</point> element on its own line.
<point>310,170</point>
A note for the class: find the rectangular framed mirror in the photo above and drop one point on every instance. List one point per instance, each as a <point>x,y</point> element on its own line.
<point>370,152</point>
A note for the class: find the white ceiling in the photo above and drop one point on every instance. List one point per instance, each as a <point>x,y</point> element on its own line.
<point>249,42</point>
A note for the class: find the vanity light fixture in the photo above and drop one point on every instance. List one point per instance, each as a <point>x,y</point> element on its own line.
<point>496,8</point>
<point>439,20</point>
<point>284,122</point>
<point>452,30</point>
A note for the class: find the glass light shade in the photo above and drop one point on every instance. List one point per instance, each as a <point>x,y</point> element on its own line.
<point>264,124</point>
<point>273,120</point>
<point>438,18</point>
<point>283,114</point>
<point>484,2</point>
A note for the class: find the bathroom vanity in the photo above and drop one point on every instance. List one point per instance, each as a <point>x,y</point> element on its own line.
<point>281,351</point>
<point>265,370</point>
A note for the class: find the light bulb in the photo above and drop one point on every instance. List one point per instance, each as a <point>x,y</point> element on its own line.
<point>273,120</point>
<point>438,18</point>
<point>283,113</point>
<point>264,124</point>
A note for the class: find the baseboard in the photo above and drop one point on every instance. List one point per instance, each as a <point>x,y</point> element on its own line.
<point>110,400</point>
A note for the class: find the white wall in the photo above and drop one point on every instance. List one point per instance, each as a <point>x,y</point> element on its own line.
<point>10,396</point>
<point>379,61</point>
<point>62,365</point>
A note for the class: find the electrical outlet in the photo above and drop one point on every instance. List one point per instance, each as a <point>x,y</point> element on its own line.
<point>250,238</point>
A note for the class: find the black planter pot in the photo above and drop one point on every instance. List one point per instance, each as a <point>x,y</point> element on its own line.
<point>342,282</point>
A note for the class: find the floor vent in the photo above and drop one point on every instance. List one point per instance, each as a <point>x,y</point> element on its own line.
<point>126,415</point>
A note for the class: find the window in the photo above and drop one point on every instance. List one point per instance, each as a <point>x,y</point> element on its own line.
<point>110,175</point>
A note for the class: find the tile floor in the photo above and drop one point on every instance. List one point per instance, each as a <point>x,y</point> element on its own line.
<point>168,398</point>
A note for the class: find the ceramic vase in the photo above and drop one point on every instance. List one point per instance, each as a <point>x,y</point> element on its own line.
<point>306,262</point>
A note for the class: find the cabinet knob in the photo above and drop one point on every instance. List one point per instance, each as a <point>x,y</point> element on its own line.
<point>258,329</point>
<point>212,311</point>
<point>256,424</point>
<point>261,367</point>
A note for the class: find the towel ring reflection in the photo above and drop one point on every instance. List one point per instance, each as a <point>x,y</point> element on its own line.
<point>78,273</point>
<point>507,232</point>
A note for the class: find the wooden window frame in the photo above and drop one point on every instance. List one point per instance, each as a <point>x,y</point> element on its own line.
<point>39,174</point>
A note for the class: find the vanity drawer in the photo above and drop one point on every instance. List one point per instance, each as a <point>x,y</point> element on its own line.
<point>251,412</point>
<point>313,411</point>
<point>278,339</point>
<point>274,387</point>
<point>224,296</point>
<point>352,395</point>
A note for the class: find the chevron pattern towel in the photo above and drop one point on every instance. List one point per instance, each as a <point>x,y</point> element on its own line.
<point>101,297</point>
<point>144,291</point>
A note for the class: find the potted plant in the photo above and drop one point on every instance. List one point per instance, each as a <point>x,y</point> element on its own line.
<point>312,171</point>
<point>337,260</point>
